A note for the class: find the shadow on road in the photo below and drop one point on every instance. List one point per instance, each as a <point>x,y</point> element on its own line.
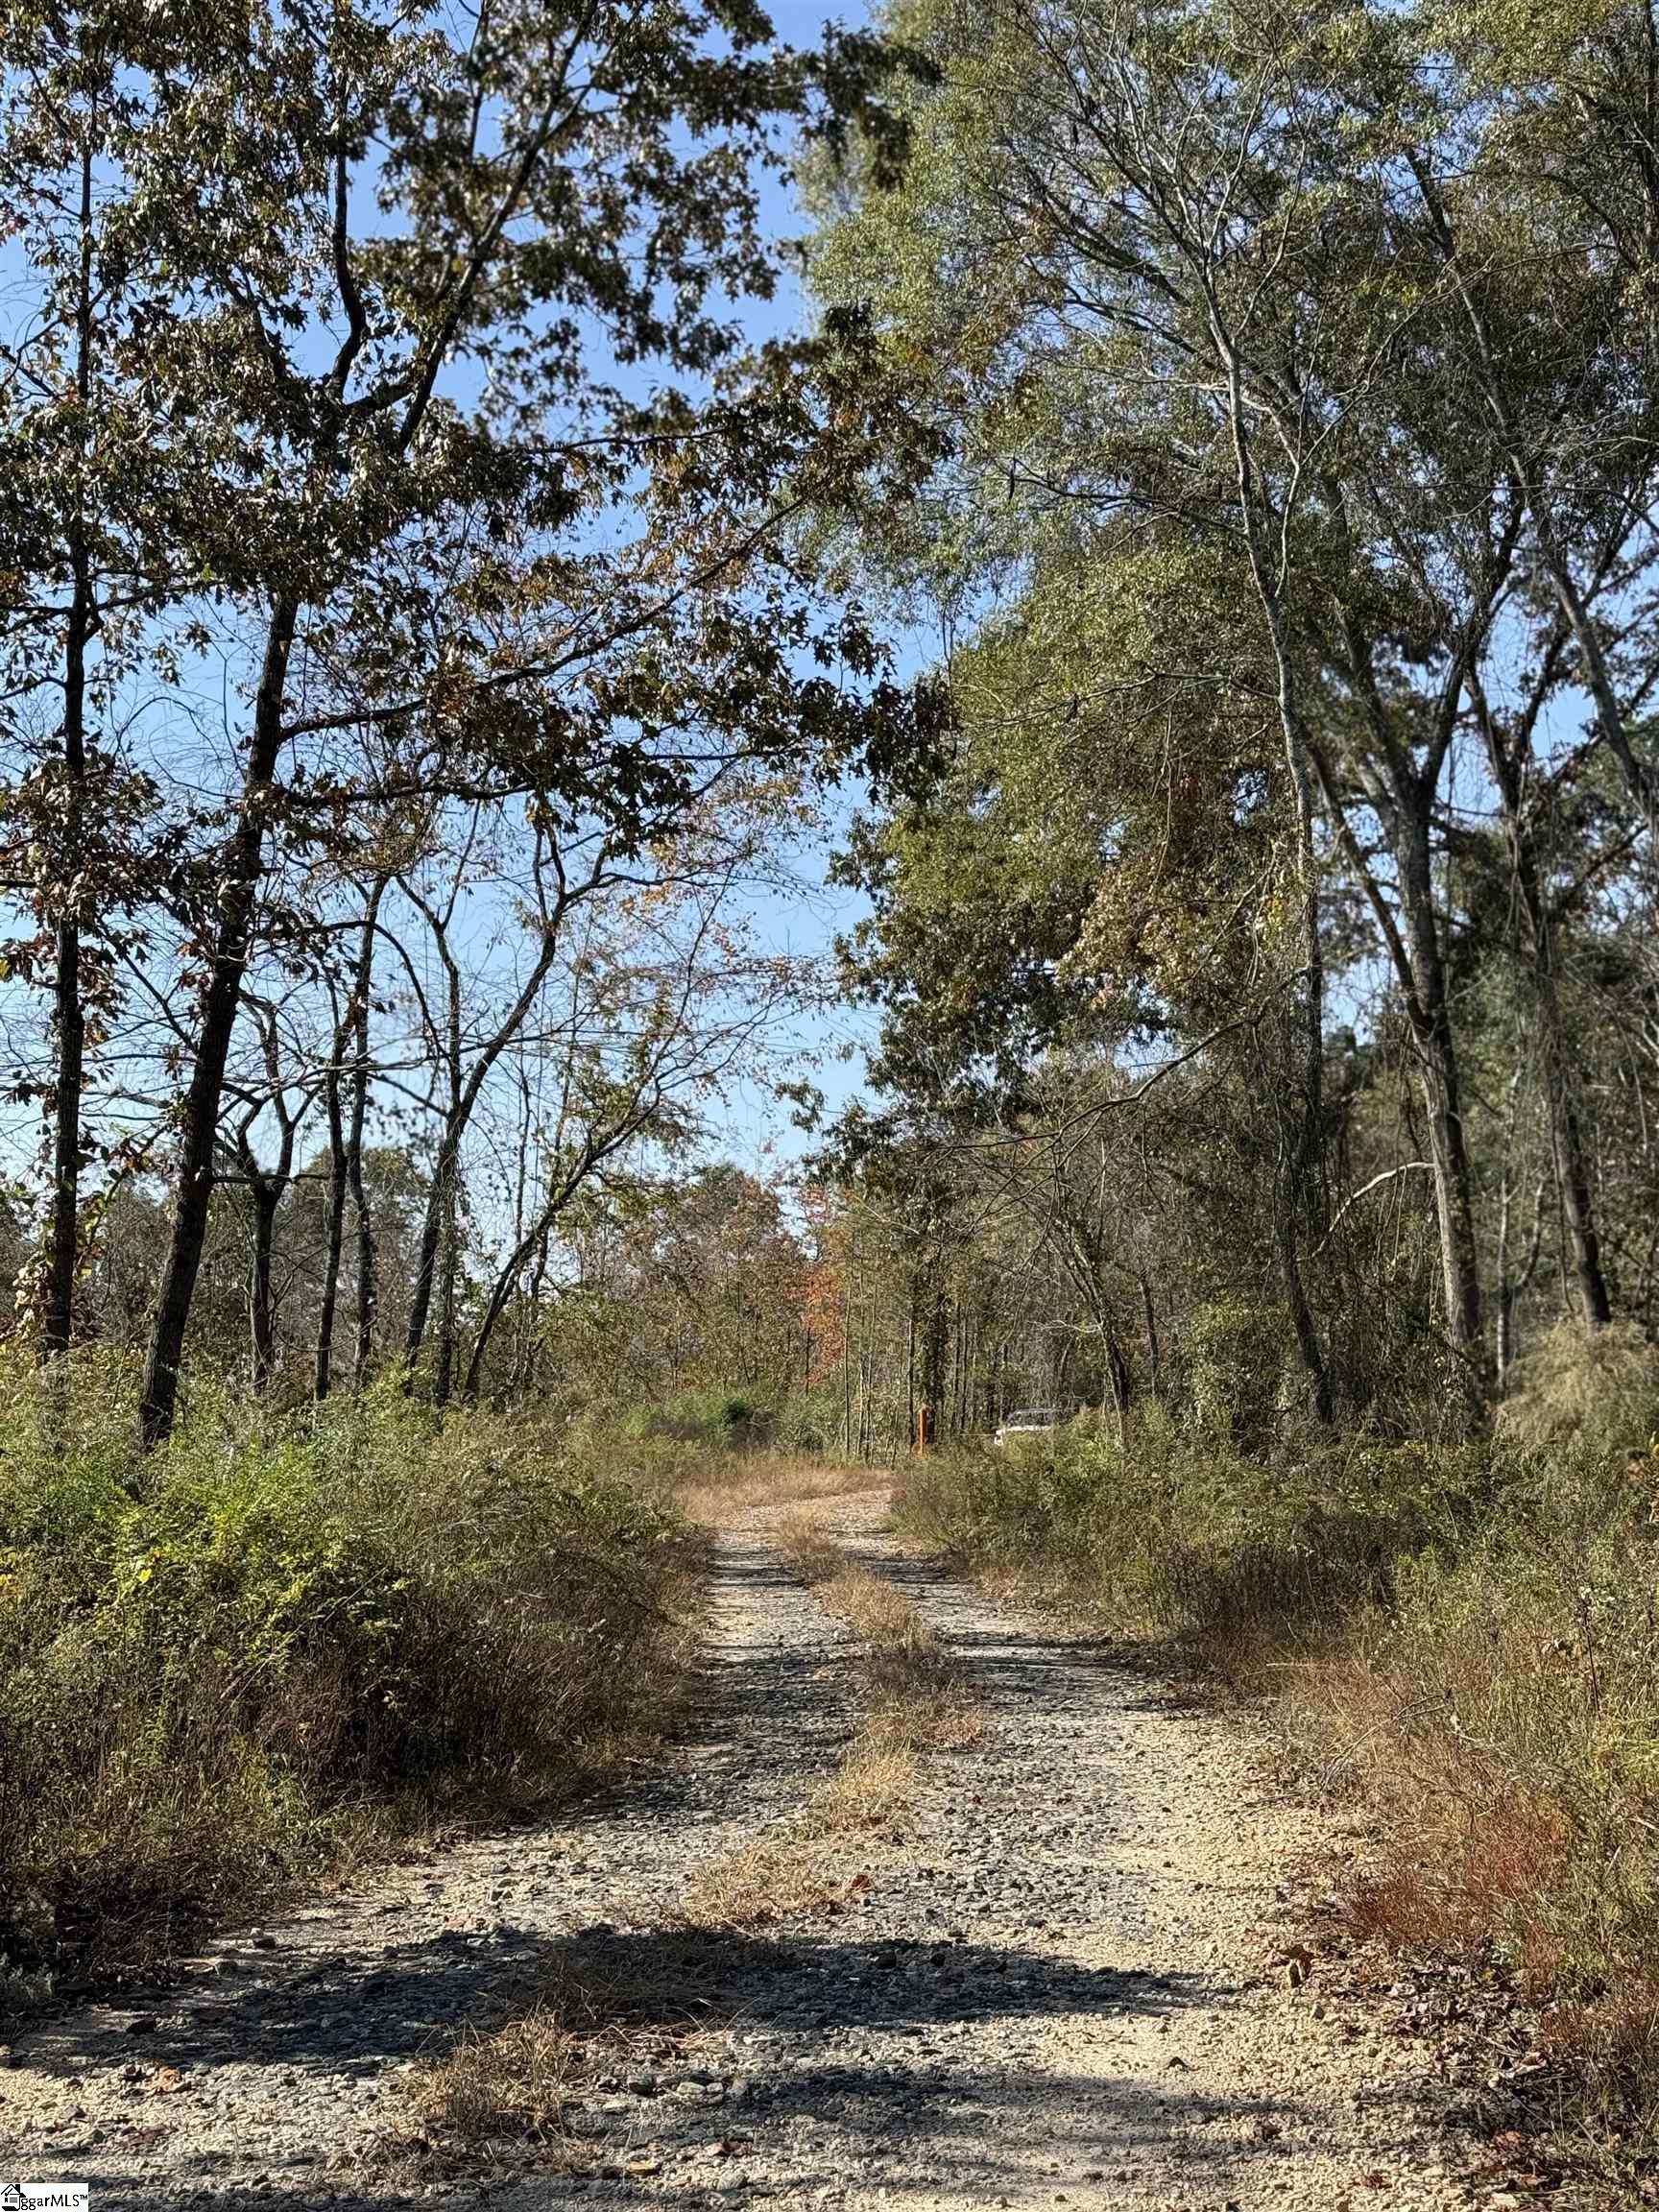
<point>424,1998</point>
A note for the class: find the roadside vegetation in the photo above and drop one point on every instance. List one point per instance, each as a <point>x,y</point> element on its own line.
<point>1459,1635</point>
<point>288,1643</point>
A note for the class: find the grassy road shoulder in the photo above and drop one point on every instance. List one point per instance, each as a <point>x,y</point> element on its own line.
<point>277,1649</point>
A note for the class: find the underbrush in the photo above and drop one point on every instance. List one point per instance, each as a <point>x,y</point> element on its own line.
<point>1177,1534</point>
<point>1501,1718</point>
<point>268,1648</point>
<point>1465,1635</point>
<point>724,1420</point>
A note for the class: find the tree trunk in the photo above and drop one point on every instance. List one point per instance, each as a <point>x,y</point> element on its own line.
<point>431,1241</point>
<point>1287,1234</point>
<point>910,1366</point>
<point>1118,1371</point>
<point>444,1372</point>
<point>266,1197</point>
<point>1438,1076</point>
<point>1154,1353</point>
<point>1572,1174</point>
<point>367,1294</point>
<point>334,1229</point>
<point>1566,1135</point>
<point>232,934</point>
<point>1459,1273</point>
<point>346,1148</point>
<point>849,1263</point>
<point>69,1009</point>
<point>1301,1153</point>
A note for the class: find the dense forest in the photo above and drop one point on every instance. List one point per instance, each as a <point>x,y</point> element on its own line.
<point>1284,916</point>
<point>1157,499</point>
<point>432,623</point>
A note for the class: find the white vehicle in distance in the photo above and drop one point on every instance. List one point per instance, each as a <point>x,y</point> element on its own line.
<point>1029,1421</point>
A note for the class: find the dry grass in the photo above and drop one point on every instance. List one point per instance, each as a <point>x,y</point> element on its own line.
<point>914,1701</point>
<point>1508,1747</point>
<point>1498,1722</point>
<point>790,1876</point>
<point>872,1788</point>
<point>814,1555</point>
<point>916,1697</point>
<point>518,2083</point>
<point>720,1486</point>
<point>627,2003</point>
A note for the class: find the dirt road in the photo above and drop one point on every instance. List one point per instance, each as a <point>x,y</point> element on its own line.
<point>1061,1982</point>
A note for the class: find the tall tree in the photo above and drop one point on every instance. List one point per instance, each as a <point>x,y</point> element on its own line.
<point>413,266</point>
<point>90,527</point>
<point>1191,279</point>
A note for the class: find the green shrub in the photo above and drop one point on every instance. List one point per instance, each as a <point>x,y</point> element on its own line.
<point>221,1667</point>
<point>810,1422</point>
<point>1177,1533</point>
<point>715,1417</point>
<point>1241,1371</point>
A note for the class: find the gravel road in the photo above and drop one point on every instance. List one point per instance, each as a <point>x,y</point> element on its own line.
<point>1064,1984</point>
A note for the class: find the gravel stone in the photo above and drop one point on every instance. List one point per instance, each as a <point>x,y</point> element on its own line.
<point>1063,1984</point>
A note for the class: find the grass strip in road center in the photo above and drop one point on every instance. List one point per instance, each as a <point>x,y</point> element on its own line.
<point>619,2001</point>
<point>644,1998</point>
<point>914,1700</point>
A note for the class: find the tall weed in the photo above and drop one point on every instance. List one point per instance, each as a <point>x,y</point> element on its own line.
<point>222,1668</point>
